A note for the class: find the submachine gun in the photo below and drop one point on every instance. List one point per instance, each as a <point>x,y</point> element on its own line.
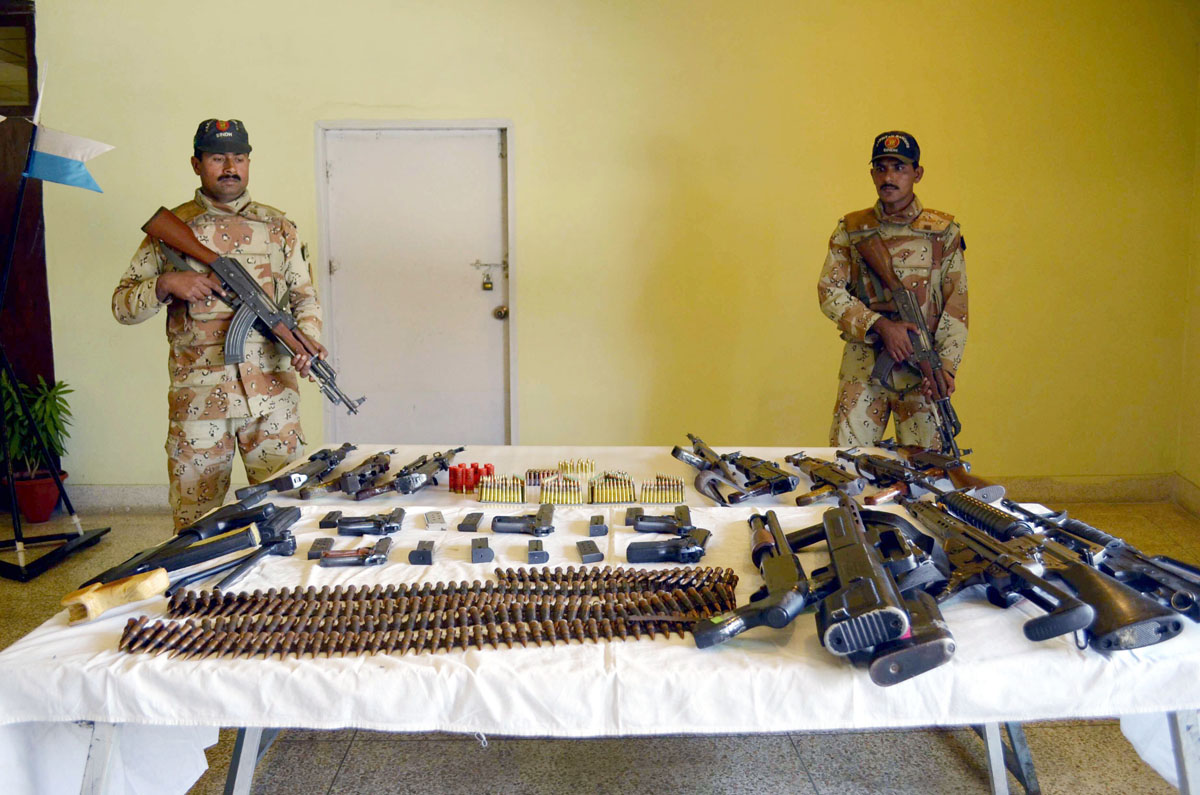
<point>712,469</point>
<point>414,475</point>
<point>252,307</point>
<point>924,358</point>
<point>870,604</point>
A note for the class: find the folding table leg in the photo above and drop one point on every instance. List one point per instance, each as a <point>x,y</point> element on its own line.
<point>100,748</point>
<point>997,772</point>
<point>252,742</point>
<point>1185,741</point>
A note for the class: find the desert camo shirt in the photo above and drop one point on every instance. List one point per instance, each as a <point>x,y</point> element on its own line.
<point>927,256</point>
<point>203,386</point>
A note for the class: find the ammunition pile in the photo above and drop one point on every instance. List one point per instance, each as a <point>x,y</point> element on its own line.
<point>577,466</point>
<point>465,478</point>
<point>611,487</point>
<point>534,477</point>
<point>561,490</point>
<point>502,488</point>
<point>663,489</point>
<point>526,606</point>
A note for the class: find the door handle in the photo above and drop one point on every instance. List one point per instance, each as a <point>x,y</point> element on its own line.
<point>500,312</point>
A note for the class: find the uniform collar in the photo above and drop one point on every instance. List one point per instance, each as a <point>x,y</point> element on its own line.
<point>905,216</point>
<point>216,208</point>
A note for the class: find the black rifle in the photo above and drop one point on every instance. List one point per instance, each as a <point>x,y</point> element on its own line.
<point>353,480</point>
<point>924,357</point>
<point>251,305</point>
<point>414,476</point>
<point>214,523</point>
<point>762,477</point>
<point>318,465</point>
<point>713,469</point>
<point>1167,580</point>
<point>1124,618</point>
<point>827,478</point>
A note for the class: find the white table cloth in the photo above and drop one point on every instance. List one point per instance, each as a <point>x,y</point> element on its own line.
<point>763,681</point>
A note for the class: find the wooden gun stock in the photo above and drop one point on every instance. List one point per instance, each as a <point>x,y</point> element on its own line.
<point>166,227</point>
<point>875,253</point>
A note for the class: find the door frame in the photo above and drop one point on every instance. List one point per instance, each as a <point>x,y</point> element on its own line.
<point>329,302</point>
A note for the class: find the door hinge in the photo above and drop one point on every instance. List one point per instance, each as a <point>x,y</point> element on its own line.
<point>503,147</point>
<point>333,268</point>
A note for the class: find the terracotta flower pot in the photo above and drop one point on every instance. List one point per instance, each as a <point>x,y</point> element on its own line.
<point>37,496</point>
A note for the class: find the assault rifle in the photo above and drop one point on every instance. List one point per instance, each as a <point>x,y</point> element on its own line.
<point>827,478</point>
<point>354,480</point>
<point>251,305</point>
<point>1169,581</point>
<point>924,357</point>
<point>958,470</point>
<point>318,465</point>
<point>762,477</point>
<point>987,545</point>
<point>414,476</point>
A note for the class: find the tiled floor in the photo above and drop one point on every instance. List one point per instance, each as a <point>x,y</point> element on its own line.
<point>1070,757</point>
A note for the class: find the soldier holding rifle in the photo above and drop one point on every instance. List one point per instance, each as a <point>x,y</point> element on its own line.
<point>213,405</point>
<point>925,249</point>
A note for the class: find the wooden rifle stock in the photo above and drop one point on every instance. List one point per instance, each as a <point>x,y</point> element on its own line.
<point>165,226</point>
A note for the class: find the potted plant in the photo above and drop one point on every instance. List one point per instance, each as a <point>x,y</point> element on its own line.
<point>37,494</point>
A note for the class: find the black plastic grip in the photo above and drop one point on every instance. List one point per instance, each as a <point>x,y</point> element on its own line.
<point>211,548</point>
<point>1071,615</point>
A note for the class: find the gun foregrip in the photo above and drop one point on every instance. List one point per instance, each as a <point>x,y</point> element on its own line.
<point>1071,615</point>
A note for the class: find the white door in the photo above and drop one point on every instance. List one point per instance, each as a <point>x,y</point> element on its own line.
<point>416,223</point>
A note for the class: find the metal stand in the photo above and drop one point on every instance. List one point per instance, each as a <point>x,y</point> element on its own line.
<point>1014,758</point>
<point>100,750</point>
<point>252,742</point>
<point>66,543</point>
<point>1185,740</point>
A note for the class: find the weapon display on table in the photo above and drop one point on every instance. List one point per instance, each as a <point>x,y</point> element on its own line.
<point>1167,580</point>
<point>413,476</point>
<point>762,477</point>
<point>956,469</point>
<point>1124,618</point>
<point>215,522</point>
<point>924,357</point>
<point>713,469</point>
<point>376,524</point>
<point>1113,615</point>
<point>316,467</point>
<point>353,480</point>
<point>827,478</point>
<point>251,305</point>
<point>890,475</point>
<point>688,548</point>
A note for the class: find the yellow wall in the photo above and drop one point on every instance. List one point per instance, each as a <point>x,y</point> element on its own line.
<point>679,167</point>
<point>1189,440</point>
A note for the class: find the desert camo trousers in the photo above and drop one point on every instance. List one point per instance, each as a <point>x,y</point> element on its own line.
<point>861,412</point>
<point>200,457</point>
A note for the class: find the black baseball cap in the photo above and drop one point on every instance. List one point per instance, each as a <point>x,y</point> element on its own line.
<point>897,144</point>
<point>220,135</point>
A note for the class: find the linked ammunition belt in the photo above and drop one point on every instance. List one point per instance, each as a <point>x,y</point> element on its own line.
<point>527,606</point>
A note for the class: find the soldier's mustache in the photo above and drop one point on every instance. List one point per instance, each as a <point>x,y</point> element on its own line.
<point>888,185</point>
<point>233,177</point>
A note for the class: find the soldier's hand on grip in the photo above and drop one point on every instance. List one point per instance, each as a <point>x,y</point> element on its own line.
<point>894,336</point>
<point>189,286</point>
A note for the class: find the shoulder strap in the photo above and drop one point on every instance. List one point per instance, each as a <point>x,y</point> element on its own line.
<point>861,221</point>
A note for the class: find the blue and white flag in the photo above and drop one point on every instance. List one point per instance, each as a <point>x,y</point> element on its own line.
<point>59,157</point>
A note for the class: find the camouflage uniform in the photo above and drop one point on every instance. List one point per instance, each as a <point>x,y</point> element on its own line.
<point>927,255</point>
<point>212,404</point>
